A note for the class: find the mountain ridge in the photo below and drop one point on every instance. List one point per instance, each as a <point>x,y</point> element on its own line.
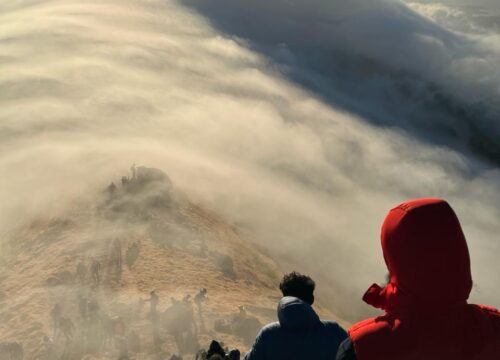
<point>183,248</point>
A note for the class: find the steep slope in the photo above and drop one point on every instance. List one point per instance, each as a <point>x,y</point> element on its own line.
<point>100,262</point>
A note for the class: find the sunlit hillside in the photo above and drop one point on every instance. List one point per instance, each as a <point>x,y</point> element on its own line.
<point>182,248</point>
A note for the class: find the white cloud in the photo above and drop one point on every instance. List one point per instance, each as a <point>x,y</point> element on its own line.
<point>91,87</point>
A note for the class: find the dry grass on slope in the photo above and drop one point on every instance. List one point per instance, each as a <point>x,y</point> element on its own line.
<point>182,248</point>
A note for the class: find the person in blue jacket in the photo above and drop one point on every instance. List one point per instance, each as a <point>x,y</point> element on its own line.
<point>299,333</point>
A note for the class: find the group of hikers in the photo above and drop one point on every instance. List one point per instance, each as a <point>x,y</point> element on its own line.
<point>95,331</point>
<point>80,323</point>
<point>114,265</point>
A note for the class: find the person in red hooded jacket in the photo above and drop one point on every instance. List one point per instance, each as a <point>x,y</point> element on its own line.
<point>427,316</point>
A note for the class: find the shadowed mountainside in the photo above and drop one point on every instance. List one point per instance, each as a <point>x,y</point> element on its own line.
<point>381,60</point>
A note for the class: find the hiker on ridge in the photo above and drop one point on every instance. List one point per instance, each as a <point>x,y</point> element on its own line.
<point>425,301</point>
<point>299,333</point>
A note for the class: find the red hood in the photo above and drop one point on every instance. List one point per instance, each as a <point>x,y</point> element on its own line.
<point>427,257</point>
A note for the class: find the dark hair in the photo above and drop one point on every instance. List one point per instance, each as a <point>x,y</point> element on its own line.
<point>216,357</point>
<point>215,351</point>
<point>299,286</point>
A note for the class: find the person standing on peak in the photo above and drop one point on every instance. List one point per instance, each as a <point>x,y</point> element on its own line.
<point>425,300</point>
<point>299,333</point>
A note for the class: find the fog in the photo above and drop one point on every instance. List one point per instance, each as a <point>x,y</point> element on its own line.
<point>301,136</point>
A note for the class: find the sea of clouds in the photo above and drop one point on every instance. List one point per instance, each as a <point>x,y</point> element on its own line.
<point>302,122</point>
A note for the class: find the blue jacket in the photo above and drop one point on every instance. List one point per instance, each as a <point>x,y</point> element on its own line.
<point>298,335</point>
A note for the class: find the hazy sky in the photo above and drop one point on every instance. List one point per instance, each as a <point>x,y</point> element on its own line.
<point>89,87</point>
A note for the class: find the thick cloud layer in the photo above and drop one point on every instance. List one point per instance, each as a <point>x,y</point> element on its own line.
<point>379,59</point>
<point>293,158</point>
